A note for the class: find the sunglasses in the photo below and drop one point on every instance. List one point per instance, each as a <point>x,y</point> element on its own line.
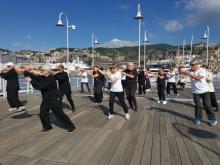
<point>193,64</point>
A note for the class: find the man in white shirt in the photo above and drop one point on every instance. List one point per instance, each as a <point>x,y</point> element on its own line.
<point>171,81</point>
<point>209,80</point>
<point>200,91</point>
<point>84,80</point>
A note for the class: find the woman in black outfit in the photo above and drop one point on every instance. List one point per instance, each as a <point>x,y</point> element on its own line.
<point>141,81</point>
<point>46,83</point>
<point>131,85</point>
<point>98,85</point>
<point>161,85</point>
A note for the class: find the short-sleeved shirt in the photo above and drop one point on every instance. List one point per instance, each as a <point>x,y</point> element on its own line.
<point>116,86</point>
<point>200,86</point>
<point>84,79</point>
<point>171,78</point>
<point>131,81</point>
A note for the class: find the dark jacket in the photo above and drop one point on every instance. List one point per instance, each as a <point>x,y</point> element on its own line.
<point>64,83</point>
<point>12,80</point>
<point>141,77</point>
<point>48,88</point>
<point>131,82</point>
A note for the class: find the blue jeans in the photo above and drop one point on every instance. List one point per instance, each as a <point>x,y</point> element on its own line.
<point>206,101</point>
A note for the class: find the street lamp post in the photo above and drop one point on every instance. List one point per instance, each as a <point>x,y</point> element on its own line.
<point>73,27</point>
<point>206,36</point>
<point>94,42</point>
<point>139,17</point>
<point>183,51</point>
<point>145,41</point>
<point>190,58</point>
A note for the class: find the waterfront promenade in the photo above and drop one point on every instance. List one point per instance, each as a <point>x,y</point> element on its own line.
<point>155,135</point>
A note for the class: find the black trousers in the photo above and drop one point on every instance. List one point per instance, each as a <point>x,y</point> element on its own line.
<point>148,85</point>
<point>69,98</point>
<point>206,101</point>
<point>173,84</point>
<point>120,96</point>
<point>141,88</point>
<point>160,91</point>
<point>56,108</point>
<point>98,97</point>
<point>87,85</point>
<point>130,93</point>
<point>213,100</point>
<point>13,100</point>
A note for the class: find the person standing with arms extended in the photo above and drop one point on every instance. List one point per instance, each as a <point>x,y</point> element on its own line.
<point>45,81</point>
<point>9,73</point>
<point>161,85</point>
<point>64,86</point>
<point>209,80</point>
<point>116,90</point>
<point>84,80</point>
<point>171,81</point>
<point>141,81</point>
<point>131,85</point>
<point>200,91</point>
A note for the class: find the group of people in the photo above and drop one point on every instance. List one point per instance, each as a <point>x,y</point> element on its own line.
<point>123,82</point>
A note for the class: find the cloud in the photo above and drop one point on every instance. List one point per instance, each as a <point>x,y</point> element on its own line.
<point>200,11</point>
<point>173,25</point>
<point>28,37</point>
<point>17,44</point>
<point>123,7</point>
<point>116,43</point>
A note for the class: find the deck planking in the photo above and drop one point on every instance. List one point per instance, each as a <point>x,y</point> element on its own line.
<point>156,135</point>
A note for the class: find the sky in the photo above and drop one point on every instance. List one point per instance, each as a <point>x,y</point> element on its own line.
<point>31,24</point>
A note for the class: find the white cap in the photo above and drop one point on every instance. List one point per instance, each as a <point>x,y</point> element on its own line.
<point>9,64</point>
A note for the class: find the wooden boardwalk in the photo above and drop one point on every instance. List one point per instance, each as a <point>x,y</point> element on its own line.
<point>155,135</point>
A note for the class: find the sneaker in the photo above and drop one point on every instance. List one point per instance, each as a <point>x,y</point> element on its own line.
<point>110,117</point>
<point>168,94</point>
<point>159,101</point>
<point>177,94</point>
<point>164,102</point>
<point>21,108</point>
<point>12,109</point>
<point>196,121</point>
<point>127,116</point>
<point>213,122</point>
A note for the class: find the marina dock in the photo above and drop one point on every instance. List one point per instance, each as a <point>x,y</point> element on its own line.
<point>155,135</point>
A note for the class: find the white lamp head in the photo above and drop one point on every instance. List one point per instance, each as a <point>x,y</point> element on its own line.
<point>145,36</point>
<point>139,16</point>
<point>205,36</point>
<point>60,23</point>
<point>73,27</point>
<point>96,41</point>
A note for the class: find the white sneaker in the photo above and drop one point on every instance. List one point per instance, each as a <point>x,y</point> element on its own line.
<point>12,109</point>
<point>127,116</point>
<point>21,108</point>
<point>110,117</point>
<point>159,101</point>
<point>177,94</point>
<point>164,102</point>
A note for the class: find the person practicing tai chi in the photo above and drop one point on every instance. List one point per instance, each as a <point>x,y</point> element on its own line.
<point>171,81</point>
<point>84,80</point>
<point>116,90</point>
<point>9,73</point>
<point>64,85</point>
<point>131,85</point>
<point>161,85</point>
<point>200,92</point>
<point>44,81</point>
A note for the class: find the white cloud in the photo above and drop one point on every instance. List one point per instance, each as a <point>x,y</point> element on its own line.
<point>200,11</point>
<point>28,37</point>
<point>17,44</point>
<point>173,25</point>
<point>116,43</point>
<point>123,7</point>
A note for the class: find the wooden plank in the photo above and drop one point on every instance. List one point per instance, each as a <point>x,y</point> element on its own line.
<point>156,152</point>
<point>165,152</point>
<point>147,150</point>
<point>121,149</point>
<point>185,158</point>
<point>174,152</point>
